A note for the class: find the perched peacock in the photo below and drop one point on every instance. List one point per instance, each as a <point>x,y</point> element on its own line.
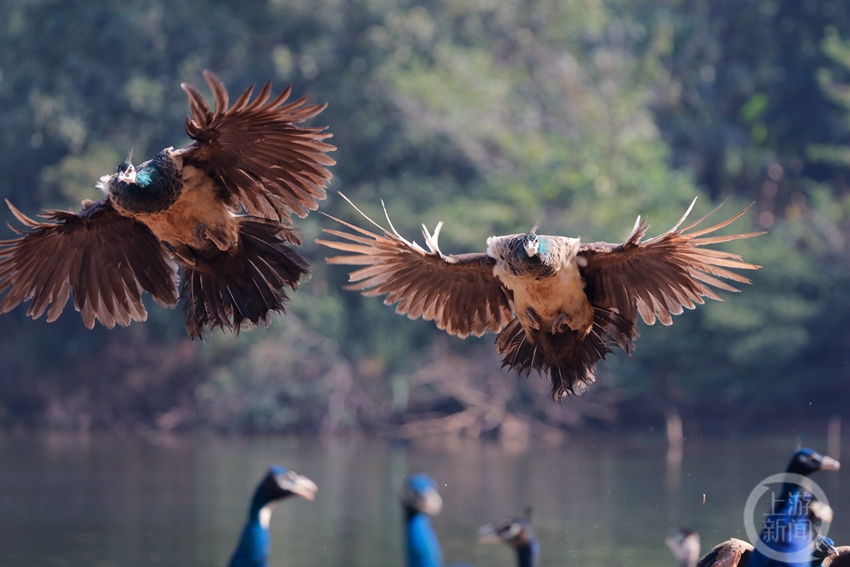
<point>279,483</point>
<point>517,533</point>
<point>790,530</point>
<point>791,535</point>
<point>420,500</point>
<point>685,545</point>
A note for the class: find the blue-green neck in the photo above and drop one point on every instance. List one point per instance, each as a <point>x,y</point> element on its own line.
<point>786,531</point>
<point>542,245</point>
<point>158,186</point>
<point>255,543</point>
<point>423,548</point>
<point>521,264</point>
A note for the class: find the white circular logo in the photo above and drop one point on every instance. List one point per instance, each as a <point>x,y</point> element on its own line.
<point>772,530</point>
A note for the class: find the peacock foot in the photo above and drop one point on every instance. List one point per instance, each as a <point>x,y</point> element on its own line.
<point>560,324</point>
<point>204,234</point>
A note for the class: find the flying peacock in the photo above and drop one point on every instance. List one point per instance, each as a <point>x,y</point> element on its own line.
<point>183,208</point>
<point>557,305</point>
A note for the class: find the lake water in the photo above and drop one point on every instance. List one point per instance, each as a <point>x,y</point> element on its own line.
<point>602,499</point>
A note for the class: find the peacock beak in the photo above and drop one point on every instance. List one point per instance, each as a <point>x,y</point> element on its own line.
<point>128,176</point>
<point>827,546</point>
<point>495,532</point>
<point>829,464</point>
<point>430,502</point>
<point>488,534</point>
<point>297,484</point>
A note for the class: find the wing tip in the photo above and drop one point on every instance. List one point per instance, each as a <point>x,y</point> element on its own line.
<point>211,78</point>
<point>22,218</point>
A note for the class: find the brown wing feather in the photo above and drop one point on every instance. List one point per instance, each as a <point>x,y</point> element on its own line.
<point>257,154</point>
<point>104,259</point>
<point>840,560</point>
<point>726,554</point>
<point>660,276</point>
<point>458,292</point>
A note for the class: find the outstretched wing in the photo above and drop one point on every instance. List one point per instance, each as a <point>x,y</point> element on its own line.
<point>105,259</point>
<point>253,149</point>
<point>660,276</point>
<point>458,292</point>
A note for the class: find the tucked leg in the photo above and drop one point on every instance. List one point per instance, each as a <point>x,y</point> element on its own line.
<point>533,319</point>
<point>203,233</point>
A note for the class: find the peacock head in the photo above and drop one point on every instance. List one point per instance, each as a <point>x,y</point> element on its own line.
<point>806,461</point>
<point>281,482</point>
<point>515,532</point>
<point>420,494</point>
<point>531,242</point>
<point>126,171</point>
<point>824,547</point>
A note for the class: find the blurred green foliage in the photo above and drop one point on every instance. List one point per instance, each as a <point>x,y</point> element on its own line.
<point>489,116</point>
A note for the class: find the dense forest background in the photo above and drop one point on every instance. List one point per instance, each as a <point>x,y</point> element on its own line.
<point>488,115</point>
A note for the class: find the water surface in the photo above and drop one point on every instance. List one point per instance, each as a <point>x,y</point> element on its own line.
<point>108,500</point>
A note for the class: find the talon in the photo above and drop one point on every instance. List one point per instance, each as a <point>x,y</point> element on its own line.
<point>560,324</point>
<point>204,234</point>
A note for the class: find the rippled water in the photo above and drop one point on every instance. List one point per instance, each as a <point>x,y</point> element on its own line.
<point>598,499</point>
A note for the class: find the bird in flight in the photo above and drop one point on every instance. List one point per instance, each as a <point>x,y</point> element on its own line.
<point>182,208</point>
<point>558,305</point>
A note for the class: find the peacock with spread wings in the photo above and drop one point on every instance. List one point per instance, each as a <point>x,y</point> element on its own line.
<point>558,305</point>
<point>182,208</point>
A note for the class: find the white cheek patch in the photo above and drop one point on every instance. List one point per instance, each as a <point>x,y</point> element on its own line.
<point>513,531</point>
<point>265,516</point>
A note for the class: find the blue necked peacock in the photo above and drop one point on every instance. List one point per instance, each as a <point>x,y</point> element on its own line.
<point>279,483</point>
<point>179,209</point>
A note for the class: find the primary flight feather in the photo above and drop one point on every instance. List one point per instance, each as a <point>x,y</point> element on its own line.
<point>557,305</point>
<point>179,209</point>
